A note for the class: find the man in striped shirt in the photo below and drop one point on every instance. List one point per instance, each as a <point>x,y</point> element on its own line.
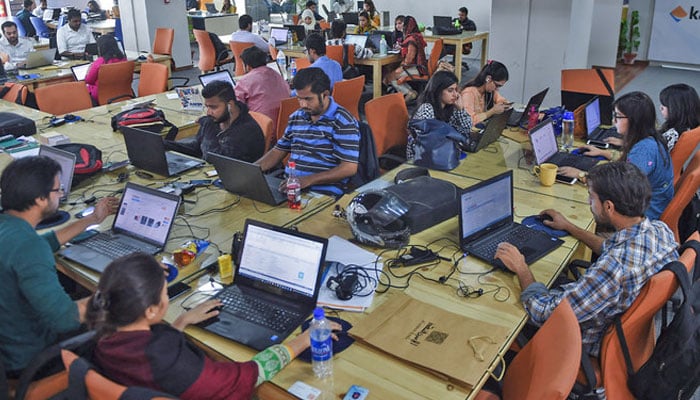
<point>321,137</point>
<point>619,194</point>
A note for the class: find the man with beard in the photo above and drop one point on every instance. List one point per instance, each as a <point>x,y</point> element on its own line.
<point>34,309</point>
<point>321,137</point>
<point>14,49</point>
<point>228,129</point>
<point>619,194</point>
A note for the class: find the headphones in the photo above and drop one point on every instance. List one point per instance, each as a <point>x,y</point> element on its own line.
<point>347,282</point>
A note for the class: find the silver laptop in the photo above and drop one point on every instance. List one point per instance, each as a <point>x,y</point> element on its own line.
<point>223,75</point>
<point>247,180</point>
<point>142,224</point>
<point>357,40</point>
<point>146,151</point>
<point>280,35</point>
<point>67,162</point>
<point>39,58</point>
<point>80,71</point>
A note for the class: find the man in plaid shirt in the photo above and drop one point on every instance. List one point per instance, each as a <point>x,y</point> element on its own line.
<point>619,194</point>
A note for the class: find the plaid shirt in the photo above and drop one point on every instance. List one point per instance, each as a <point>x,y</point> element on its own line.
<point>608,288</point>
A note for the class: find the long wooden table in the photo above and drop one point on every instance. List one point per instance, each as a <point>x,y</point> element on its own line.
<point>458,41</point>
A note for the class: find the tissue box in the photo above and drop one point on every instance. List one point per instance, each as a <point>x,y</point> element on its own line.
<point>53,138</point>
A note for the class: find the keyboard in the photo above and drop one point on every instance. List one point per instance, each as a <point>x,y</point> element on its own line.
<point>564,159</point>
<point>601,133</point>
<point>518,237</point>
<point>257,311</point>
<point>105,244</point>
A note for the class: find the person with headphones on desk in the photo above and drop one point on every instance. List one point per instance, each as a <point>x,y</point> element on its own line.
<point>480,95</point>
<point>72,37</point>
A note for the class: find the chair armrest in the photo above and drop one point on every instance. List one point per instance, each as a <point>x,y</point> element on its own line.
<point>120,97</point>
<point>186,80</point>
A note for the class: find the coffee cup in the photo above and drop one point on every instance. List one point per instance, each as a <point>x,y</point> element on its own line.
<point>546,172</point>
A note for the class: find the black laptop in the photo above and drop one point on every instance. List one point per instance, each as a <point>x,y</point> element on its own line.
<point>351,18</point>
<point>593,128</point>
<point>544,145</point>
<point>80,71</point>
<point>519,118</point>
<point>142,224</point>
<point>376,37</point>
<point>275,287</point>
<point>246,179</point>
<point>445,22</point>
<point>493,130</point>
<point>486,219</point>
<point>211,7</point>
<point>298,33</point>
<point>3,74</point>
<point>146,151</point>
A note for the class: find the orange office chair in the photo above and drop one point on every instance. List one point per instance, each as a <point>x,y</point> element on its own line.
<point>335,52</point>
<point>153,79</point>
<point>347,93</point>
<point>287,107</point>
<point>273,52</point>
<point>387,116</point>
<point>15,93</point>
<point>114,82</point>
<point>324,25</point>
<point>685,146</point>
<point>546,367</point>
<point>265,123</point>
<point>63,98</point>
<point>207,52</point>
<point>237,48</point>
<point>688,185</point>
<point>433,61</point>
<point>163,41</point>
<point>302,62</point>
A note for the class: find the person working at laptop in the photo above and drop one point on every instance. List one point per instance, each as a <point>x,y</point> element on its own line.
<point>322,138</point>
<point>313,7</point>
<point>34,309</point>
<point>372,13</point>
<point>13,48</point>
<point>465,24</point>
<point>480,95</point>
<point>135,348</point>
<point>338,31</point>
<point>364,26</point>
<point>109,52</point>
<point>619,195</point>
<point>72,37</point>
<point>262,89</point>
<point>245,34</point>
<point>39,11</point>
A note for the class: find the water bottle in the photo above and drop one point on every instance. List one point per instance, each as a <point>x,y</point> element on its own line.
<point>282,61</point>
<point>567,131</point>
<point>293,188</point>
<point>321,345</point>
<point>292,69</point>
<point>382,46</point>
<point>532,117</point>
<point>290,38</point>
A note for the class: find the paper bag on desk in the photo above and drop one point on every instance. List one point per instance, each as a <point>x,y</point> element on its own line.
<point>431,338</point>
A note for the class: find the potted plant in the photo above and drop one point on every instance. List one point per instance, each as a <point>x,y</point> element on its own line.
<point>629,38</point>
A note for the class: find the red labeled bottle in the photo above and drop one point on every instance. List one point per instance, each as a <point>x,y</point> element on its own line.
<point>293,188</point>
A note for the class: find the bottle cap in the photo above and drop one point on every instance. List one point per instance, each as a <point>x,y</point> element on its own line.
<point>569,115</point>
<point>292,164</point>
<point>319,313</point>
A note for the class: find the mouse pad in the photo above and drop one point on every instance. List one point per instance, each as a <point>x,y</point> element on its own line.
<point>23,77</point>
<point>534,222</point>
<point>579,152</point>
<point>344,340</point>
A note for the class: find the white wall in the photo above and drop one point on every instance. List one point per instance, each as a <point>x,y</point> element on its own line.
<point>423,11</point>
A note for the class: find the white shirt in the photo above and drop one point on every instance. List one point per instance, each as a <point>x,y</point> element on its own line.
<point>38,12</point>
<point>250,37</point>
<point>70,40</point>
<point>18,52</point>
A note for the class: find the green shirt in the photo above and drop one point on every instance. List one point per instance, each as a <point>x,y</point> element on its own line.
<point>34,308</point>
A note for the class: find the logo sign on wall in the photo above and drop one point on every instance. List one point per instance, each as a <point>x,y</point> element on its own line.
<point>675,32</point>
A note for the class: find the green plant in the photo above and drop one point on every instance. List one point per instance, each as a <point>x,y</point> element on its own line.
<point>629,34</point>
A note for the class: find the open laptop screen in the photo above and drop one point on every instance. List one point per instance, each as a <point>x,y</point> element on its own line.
<point>67,162</point>
<point>357,40</point>
<point>592,115</point>
<point>284,260</point>
<point>280,34</point>
<point>544,143</point>
<point>146,214</point>
<point>442,21</point>
<point>486,204</point>
<point>80,71</point>
<point>223,75</point>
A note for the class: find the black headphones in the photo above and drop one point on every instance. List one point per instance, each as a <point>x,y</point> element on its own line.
<point>343,284</point>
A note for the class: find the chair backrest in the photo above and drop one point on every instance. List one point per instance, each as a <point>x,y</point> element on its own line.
<point>114,81</point>
<point>273,51</point>
<point>688,185</point>
<point>680,153</point>
<point>63,98</point>
<point>324,25</point>
<point>41,29</point>
<point>347,93</point>
<point>17,92</point>
<point>434,58</point>
<point>207,53</point>
<point>388,118</point>
<point>20,27</point>
<point>267,127</point>
<point>546,367</point>
<point>302,62</point>
<point>237,49</point>
<point>287,107</point>
<point>335,52</point>
<point>163,42</point>
<point>153,79</point>
<point>295,19</point>
<point>118,33</point>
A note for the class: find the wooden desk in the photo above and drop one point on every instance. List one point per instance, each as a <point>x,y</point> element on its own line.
<point>458,41</point>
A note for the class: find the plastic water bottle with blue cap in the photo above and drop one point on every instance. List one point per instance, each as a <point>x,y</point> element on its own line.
<point>567,130</point>
<point>321,344</point>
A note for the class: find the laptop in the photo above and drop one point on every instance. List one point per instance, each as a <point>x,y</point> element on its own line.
<point>223,75</point>
<point>351,18</point>
<point>493,130</point>
<point>80,71</point>
<point>247,180</point>
<point>67,162</point>
<point>143,223</point>
<point>357,40</point>
<point>275,287</point>
<point>280,35</point>
<point>298,33</point>
<point>146,151</point>
<point>544,145</point>
<point>91,49</point>
<point>519,118</point>
<point>211,7</point>
<point>486,219</point>
<point>376,36</point>
<point>442,21</point>
<point>3,74</point>
<point>593,129</point>
<point>39,58</point>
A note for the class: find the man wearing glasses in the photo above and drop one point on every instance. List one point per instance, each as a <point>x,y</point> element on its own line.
<point>34,308</point>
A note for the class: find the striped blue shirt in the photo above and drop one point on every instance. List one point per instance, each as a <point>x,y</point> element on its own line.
<point>322,145</point>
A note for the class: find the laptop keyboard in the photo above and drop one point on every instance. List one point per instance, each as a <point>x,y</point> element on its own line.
<point>105,244</point>
<point>517,236</point>
<point>601,134</point>
<point>257,311</point>
<point>571,160</point>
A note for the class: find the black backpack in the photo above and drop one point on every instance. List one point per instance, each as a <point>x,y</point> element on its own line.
<point>219,47</point>
<point>367,165</point>
<point>672,371</point>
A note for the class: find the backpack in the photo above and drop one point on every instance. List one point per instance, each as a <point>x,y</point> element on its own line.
<point>16,125</point>
<point>18,93</point>
<point>672,370</point>
<point>367,163</point>
<point>88,160</point>
<point>349,71</point>
<point>219,47</point>
<point>146,118</point>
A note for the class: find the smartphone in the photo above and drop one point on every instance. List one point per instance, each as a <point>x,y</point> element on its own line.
<point>113,166</point>
<point>85,212</point>
<point>599,144</point>
<point>176,289</point>
<point>566,179</point>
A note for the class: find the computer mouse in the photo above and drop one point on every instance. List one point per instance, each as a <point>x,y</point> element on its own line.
<point>212,319</point>
<point>26,76</point>
<point>141,57</point>
<point>544,217</point>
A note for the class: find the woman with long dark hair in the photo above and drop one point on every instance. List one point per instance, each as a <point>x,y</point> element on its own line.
<point>369,7</point>
<point>413,60</point>
<point>109,52</point>
<point>680,108</point>
<point>635,119</point>
<point>480,95</point>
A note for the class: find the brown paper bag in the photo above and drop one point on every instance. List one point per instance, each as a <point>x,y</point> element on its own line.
<point>431,338</point>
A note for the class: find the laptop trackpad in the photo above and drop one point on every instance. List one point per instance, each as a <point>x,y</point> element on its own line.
<point>255,336</point>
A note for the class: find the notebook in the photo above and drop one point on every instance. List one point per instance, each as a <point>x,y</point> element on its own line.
<point>146,150</point>
<point>280,35</point>
<point>80,71</point>
<point>493,130</point>
<point>544,145</point>
<point>486,219</point>
<point>67,162</point>
<point>351,18</point>
<point>442,21</point>
<point>275,287</point>
<point>223,75</point>
<point>143,223</point>
<point>357,40</point>
<point>519,118</point>
<point>247,180</point>
<point>593,129</point>
<point>39,58</point>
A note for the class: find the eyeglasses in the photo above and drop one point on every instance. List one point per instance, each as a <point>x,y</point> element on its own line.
<point>60,189</point>
<point>617,116</point>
